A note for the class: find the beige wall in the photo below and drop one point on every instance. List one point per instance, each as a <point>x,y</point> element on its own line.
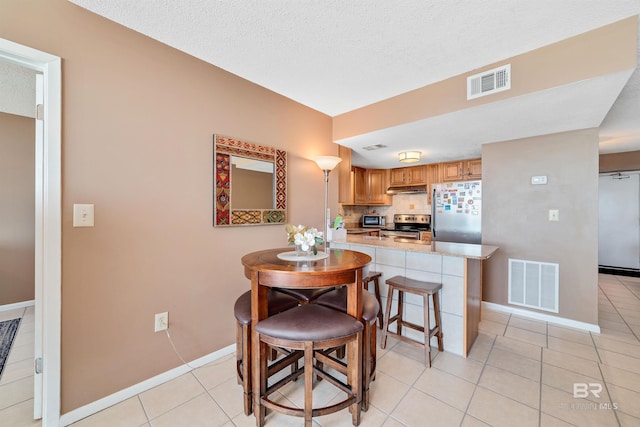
<point>17,208</point>
<point>629,161</point>
<point>581,57</point>
<point>138,119</point>
<point>515,215</point>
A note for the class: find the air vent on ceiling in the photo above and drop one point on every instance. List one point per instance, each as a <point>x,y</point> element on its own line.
<point>489,82</point>
<point>374,147</point>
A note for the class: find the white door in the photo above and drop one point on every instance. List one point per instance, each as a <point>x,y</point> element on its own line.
<point>619,221</point>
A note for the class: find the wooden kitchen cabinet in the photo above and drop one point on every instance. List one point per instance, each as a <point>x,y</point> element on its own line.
<point>397,176</point>
<point>474,169</point>
<point>426,235</point>
<point>415,175</point>
<point>346,192</point>
<point>451,171</point>
<point>434,176</point>
<point>370,186</point>
<point>462,170</point>
<point>378,184</point>
<point>361,190</point>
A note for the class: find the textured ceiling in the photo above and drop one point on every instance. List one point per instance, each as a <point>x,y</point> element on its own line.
<point>336,56</point>
<point>17,90</point>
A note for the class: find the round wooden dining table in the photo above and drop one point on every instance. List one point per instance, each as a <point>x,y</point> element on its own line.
<point>266,269</point>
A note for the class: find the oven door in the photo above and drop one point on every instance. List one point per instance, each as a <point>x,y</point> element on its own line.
<point>407,234</point>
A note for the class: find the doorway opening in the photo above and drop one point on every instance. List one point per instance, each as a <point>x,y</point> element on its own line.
<point>619,223</point>
<point>48,226</point>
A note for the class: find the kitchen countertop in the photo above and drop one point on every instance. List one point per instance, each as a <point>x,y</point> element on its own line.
<point>362,230</point>
<point>466,250</point>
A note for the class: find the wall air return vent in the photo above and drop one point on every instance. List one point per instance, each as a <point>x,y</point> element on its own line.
<point>489,82</point>
<point>533,284</point>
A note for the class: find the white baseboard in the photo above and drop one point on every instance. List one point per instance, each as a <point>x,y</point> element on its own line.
<point>562,321</point>
<point>122,395</point>
<point>17,305</point>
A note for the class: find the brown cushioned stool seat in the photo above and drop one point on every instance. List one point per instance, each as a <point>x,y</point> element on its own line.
<point>374,276</point>
<point>278,302</point>
<point>311,328</point>
<point>403,284</point>
<point>304,296</point>
<point>337,300</point>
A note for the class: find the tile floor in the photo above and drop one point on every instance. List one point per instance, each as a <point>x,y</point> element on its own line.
<point>519,372</point>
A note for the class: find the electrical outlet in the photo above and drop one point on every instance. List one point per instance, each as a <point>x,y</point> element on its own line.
<point>162,321</point>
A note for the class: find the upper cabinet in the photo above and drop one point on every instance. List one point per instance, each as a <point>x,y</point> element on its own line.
<point>415,175</point>
<point>434,176</point>
<point>346,178</point>
<point>370,186</point>
<point>461,170</point>
<point>474,169</point>
<point>360,186</point>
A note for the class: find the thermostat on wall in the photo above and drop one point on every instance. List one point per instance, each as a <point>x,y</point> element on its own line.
<point>539,180</point>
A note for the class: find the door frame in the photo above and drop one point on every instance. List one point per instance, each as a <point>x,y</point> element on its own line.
<point>48,238</point>
<point>606,220</point>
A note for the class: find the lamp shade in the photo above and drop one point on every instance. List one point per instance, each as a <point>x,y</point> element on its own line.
<point>327,163</point>
<point>409,156</point>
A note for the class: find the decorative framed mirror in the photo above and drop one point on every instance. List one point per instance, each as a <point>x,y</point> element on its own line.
<point>250,183</point>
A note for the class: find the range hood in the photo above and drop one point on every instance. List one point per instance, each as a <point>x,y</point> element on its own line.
<point>408,189</point>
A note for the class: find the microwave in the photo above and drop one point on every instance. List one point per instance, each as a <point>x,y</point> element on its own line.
<point>374,220</point>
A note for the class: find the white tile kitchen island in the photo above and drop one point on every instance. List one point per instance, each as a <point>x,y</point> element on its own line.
<point>458,266</point>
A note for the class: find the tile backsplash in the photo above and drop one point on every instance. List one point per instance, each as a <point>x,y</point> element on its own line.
<point>402,204</point>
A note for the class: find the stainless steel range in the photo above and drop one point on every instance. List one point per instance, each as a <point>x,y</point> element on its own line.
<point>408,226</point>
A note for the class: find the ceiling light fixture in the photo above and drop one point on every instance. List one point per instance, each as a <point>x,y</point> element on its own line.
<point>409,156</point>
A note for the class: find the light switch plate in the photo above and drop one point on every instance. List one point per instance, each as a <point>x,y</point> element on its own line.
<point>539,180</point>
<point>82,215</point>
<point>554,215</point>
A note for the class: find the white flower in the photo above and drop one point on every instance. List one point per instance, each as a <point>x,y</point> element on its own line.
<point>299,239</point>
<point>306,238</point>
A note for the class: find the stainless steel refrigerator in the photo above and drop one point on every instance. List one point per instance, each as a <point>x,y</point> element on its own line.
<point>456,212</point>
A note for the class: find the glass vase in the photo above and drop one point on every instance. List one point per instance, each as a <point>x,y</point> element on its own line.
<point>301,252</point>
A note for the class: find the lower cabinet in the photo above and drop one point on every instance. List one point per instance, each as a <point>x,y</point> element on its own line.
<point>426,236</point>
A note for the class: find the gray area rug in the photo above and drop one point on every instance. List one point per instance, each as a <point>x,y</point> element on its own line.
<point>8,330</point>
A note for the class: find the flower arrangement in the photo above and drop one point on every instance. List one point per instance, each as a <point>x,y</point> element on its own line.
<point>307,238</point>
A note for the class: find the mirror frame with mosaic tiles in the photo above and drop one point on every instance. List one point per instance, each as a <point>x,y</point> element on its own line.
<point>224,215</point>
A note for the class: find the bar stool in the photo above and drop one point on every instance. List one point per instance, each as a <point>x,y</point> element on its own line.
<point>242,310</point>
<point>337,300</point>
<point>426,289</point>
<point>311,328</point>
<point>374,277</point>
<point>304,296</point>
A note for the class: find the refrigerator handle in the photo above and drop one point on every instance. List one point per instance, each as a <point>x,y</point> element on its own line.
<point>433,214</point>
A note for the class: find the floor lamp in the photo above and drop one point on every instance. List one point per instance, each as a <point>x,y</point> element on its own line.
<point>327,164</point>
